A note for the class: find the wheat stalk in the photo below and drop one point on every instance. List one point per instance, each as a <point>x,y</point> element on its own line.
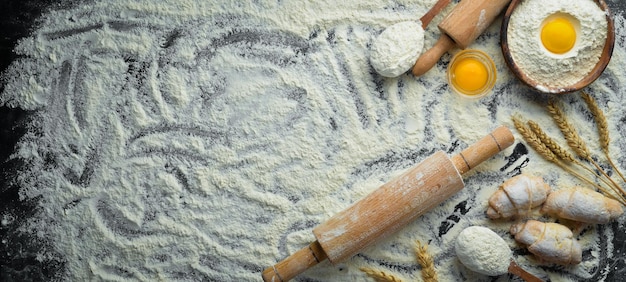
<point>379,275</point>
<point>603,129</point>
<point>577,143</point>
<point>570,134</point>
<point>534,142</point>
<point>425,259</point>
<point>559,151</point>
<point>564,155</point>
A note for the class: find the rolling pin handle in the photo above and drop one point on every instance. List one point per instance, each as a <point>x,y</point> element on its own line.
<point>433,12</point>
<point>483,149</point>
<point>427,60</point>
<point>295,264</point>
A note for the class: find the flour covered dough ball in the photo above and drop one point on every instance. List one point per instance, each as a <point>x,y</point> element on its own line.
<point>397,48</point>
<point>483,251</point>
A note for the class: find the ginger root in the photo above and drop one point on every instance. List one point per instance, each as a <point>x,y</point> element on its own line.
<point>517,196</point>
<point>550,242</point>
<point>583,205</point>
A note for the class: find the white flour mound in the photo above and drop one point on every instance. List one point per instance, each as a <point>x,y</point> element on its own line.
<point>397,48</point>
<point>192,140</point>
<point>482,250</point>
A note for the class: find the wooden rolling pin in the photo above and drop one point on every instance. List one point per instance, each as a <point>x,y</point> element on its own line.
<point>390,207</point>
<point>460,28</point>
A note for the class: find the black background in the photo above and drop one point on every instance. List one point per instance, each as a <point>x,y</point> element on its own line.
<point>17,255</point>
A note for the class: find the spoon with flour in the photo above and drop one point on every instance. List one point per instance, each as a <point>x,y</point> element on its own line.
<point>397,48</point>
<point>483,251</point>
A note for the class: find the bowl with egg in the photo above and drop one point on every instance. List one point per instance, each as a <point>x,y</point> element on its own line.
<point>558,46</point>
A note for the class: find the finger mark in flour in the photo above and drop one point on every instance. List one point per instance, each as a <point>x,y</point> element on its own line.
<point>82,178</point>
<point>139,86</point>
<point>71,205</point>
<point>82,97</point>
<point>180,175</point>
<point>244,40</point>
<point>364,108</point>
<point>183,273</point>
<point>62,34</point>
<point>65,88</point>
<point>64,81</point>
<point>116,222</point>
<point>169,39</point>
<point>123,26</point>
<point>110,272</point>
<point>211,136</point>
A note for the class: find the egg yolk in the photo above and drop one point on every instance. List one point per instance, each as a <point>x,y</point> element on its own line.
<point>558,35</point>
<point>470,75</point>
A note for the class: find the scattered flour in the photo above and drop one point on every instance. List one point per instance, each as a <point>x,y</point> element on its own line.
<point>203,140</point>
<point>545,68</point>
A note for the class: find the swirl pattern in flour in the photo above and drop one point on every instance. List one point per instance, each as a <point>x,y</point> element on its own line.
<point>167,145</point>
<point>173,152</point>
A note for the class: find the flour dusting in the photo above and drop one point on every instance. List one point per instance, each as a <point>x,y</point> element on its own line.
<point>204,140</point>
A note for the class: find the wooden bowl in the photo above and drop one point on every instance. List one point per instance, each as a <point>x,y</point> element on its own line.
<point>605,57</point>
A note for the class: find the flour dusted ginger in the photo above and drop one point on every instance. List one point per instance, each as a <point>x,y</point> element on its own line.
<point>549,242</point>
<point>517,196</point>
<point>583,205</point>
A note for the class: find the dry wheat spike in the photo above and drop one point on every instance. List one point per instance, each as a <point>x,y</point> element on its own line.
<point>603,129</point>
<point>379,275</point>
<point>578,145</point>
<point>534,142</point>
<point>569,132</point>
<point>425,259</point>
<point>559,151</point>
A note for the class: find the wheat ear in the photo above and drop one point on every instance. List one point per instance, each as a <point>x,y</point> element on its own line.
<point>578,145</point>
<point>425,259</point>
<point>570,134</point>
<point>559,151</point>
<point>534,142</point>
<point>575,142</point>
<point>603,129</point>
<point>379,275</point>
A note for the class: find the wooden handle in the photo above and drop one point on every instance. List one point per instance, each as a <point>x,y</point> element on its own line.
<point>390,207</point>
<point>433,12</point>
<point>470,18</point>
<point>515,269</point>
<point>460,28</point>
<point>295,264</point>
<point>429,58</point>
<point>485,148</point>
